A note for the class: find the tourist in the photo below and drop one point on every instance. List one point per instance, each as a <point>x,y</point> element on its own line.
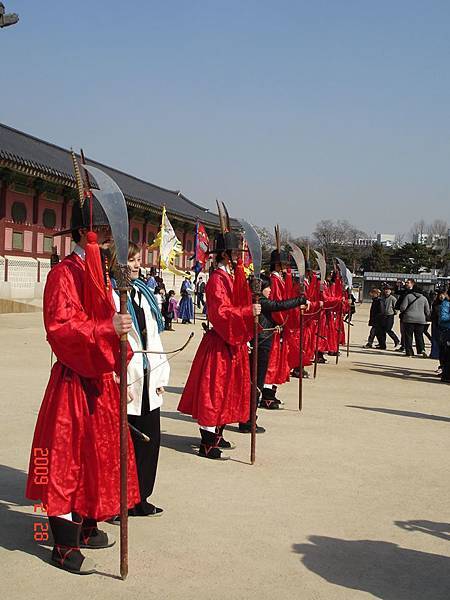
<point>415,312</point>
<point>388,301</point>
<point>170,310</point>
<point>147,376</point>
<point>444,326</point>
<point>375,323</point>
<point>200,292</point>
<point>186,305</point>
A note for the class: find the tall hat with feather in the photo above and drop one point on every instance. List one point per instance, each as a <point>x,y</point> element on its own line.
<point>278,255</point>
<point>83,217</point>
<point>226,239</point>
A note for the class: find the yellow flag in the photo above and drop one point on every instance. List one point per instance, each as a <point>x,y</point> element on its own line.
<point>168,244</point>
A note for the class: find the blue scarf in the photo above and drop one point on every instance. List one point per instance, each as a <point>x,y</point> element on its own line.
<point>150,297</point>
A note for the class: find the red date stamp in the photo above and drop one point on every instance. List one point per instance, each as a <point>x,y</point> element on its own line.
<point>40,464</point>
<point>40,529</point>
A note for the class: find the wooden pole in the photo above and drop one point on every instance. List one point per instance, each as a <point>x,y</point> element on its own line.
<point>316,353</point>
<point>348,334</point>
<point>300,378</point>
<point>123,444</point>
<point>256,284</point>
<point>339,324</point>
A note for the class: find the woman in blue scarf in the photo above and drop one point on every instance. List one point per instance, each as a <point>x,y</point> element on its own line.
<point>147,376</point>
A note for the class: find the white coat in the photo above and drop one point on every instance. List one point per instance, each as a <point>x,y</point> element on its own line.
<point>158,370</point>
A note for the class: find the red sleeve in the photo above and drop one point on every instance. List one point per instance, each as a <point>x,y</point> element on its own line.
<point>234,324</point>
<point>90,348</point>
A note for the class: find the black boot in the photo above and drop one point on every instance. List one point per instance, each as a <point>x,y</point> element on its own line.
<point>92,537</point>
<point>247,427</point>
<point>268,399</point>
<point>66,551</point>
<point>221,442</point>
<point>208,446</point>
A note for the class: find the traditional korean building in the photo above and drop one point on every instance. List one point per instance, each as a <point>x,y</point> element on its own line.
<point>37,191</point>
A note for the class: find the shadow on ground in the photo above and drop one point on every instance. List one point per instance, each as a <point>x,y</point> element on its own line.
<point>439,530</point>
<point>383,569</point>
<point>397,373</point>
<point>17,528</point>
<point>180,443</point>
<point>401,413</point>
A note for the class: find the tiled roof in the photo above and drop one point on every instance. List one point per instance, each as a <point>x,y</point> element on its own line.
<point>51,160</point>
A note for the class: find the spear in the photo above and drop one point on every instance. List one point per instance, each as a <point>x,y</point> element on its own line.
<point>254,246</point>
<point>323,274</point>
<point>113,203</point>
<point>299,259</point>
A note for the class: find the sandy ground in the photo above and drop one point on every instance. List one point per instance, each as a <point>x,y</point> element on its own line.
<point>348,499</point>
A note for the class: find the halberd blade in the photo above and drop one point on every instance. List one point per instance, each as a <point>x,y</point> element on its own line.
<point>113,203</point>
<point>254,245</point>
<point>297,255</point>
<point>322,264</point>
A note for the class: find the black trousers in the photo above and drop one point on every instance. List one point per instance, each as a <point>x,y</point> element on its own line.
<point>417,330</point>
<point>263,363</point>
<point>388,324</point>
<point>147,453</point>
<point>200,300</point>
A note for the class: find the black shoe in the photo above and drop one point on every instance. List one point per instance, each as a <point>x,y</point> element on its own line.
<point>295,373</point>
<point>221,442</point>
<point>92,537</point>
<point>145,509</point>
<point>247,428</point>
<point>380,347</point>
<point>66,553</point>
<point>208,447</point>
<point>365,346</point>
<point>269,395</point>
<point>401,349</point>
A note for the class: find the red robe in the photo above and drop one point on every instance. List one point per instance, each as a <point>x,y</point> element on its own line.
<point>278,369</point>
<point>217,391</point>
<point>74,462</point>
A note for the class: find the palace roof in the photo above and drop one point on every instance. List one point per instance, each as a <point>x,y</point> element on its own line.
<point>39,158</point>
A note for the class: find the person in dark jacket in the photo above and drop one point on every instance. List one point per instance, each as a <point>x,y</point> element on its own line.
<point>375,321</point>
<point>444,327</point>
<point>267,327</point>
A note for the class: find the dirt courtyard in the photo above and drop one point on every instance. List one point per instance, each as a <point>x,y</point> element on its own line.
<point>348,499</point>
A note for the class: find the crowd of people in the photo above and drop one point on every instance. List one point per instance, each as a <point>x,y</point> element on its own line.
<point>416,311</point>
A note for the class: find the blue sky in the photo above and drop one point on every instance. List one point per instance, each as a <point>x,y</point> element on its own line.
<point>289,111</point>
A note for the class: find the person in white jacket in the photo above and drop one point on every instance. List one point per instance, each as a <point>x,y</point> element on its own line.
<point>147,376</point>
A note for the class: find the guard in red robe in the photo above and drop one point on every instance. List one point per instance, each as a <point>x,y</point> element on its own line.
<point>74,464</point>
<point>217,391</point>
<point>278,369</point>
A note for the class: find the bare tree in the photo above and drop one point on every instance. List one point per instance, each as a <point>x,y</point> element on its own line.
<point>418,230</point>
<point>339,232</point>
<point>438,227</point>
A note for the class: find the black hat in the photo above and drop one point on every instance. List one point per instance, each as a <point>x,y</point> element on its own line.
<point>81,218</point>
<point>226,241</point>
<point>279,256</point>
<point>265,282</point>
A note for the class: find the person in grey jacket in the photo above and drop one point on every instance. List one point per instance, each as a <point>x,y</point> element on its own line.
<point>388,302</point>
<point>415,312</point>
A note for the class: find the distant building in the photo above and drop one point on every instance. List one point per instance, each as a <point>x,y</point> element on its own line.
<point>385,239</point>
<point>433,240</point>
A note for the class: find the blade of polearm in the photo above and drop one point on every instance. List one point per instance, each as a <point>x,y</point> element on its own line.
<point>113,203</point>
<point>322,264</point>
<point>254,245</point>
<point>299,259</point>
<point>343,270</point>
